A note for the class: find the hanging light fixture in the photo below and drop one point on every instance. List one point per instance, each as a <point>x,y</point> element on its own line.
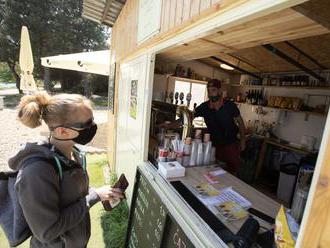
<point>226,67</point>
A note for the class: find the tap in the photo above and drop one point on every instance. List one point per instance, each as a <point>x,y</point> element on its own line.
<point>187,120</point>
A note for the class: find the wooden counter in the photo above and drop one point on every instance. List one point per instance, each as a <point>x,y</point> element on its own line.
<point>259,201</point>
<point>278,145</point>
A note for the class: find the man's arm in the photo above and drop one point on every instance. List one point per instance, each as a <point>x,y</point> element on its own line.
<point>241,126</point>
<point>178,123</point>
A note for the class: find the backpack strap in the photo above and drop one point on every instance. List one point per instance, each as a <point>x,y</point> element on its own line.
<point>59,167</point>
<point>81,154</point>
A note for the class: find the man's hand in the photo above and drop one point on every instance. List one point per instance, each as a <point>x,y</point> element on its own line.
<point>109,194</point>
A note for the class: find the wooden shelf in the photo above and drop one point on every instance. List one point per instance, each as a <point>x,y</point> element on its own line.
<point>189,79</point>
<point>285,110</point>
<point>284,87</point>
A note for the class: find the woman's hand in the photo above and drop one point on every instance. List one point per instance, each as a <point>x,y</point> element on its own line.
<point>109,194</point>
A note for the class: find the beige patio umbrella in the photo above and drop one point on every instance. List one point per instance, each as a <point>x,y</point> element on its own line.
<point>26,63</point>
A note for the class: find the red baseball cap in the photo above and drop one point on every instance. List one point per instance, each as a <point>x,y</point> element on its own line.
<point>214,83</point>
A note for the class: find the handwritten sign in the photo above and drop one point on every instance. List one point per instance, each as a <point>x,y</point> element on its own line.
<point>150,223</point>
<point>148,19</point>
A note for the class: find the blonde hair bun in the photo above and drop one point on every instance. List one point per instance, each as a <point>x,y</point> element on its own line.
<point>31,108</point>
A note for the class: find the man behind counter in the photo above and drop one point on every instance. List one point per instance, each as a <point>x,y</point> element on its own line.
<point>224,122</point>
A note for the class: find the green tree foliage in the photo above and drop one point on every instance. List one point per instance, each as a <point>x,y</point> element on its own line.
<point>55,27</point>
<point>5,74</point>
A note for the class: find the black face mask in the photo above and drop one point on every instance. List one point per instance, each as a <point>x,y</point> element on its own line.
<point>214,98</point>
<point>85,135</point>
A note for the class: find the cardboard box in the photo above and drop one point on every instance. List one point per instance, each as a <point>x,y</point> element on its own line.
<point>171,169</point>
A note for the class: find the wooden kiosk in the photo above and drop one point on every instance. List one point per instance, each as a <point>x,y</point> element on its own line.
<point>187,29</point>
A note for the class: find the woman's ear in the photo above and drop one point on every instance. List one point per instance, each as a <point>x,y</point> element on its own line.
<point>62,132</point>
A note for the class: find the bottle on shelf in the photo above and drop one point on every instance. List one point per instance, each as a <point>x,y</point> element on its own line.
<point>248,96</point>
<point>253,97</point>
<point>239,97</point>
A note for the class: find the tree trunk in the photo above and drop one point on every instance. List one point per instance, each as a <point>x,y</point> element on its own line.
<point>47,84</point>
<point>11,66</point>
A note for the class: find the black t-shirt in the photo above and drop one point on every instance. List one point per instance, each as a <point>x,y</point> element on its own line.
<point>220,123</point>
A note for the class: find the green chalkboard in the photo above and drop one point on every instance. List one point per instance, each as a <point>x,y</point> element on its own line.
<point>150,223</point>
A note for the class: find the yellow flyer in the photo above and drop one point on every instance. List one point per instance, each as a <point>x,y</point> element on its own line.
<point>231,211</point>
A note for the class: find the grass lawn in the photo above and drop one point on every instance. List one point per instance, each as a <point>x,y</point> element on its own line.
<point>100,101</point>
<point>108,229</point>
<point>11,101</point>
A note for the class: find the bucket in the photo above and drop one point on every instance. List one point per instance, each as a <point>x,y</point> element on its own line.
<point>308,142</point>
<point>287,181</point>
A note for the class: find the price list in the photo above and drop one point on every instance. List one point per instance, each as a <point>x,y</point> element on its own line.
<point>148,216</point>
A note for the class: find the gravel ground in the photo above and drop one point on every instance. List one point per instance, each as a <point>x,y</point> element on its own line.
<point>13,133</point>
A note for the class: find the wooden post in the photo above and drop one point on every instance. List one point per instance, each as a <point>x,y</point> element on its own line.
<point>315,227</point>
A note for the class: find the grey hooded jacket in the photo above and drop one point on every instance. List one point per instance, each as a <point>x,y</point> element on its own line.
<point>56,210</point>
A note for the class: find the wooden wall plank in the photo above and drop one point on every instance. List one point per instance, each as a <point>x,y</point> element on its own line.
<point>179,12</point>
<point>167,9</point>
<point>215,1</point>
<point>186,10</point>
<point>205,4</point>
<point>172,13</point>
<point>162,16</point>
<point>195,7</point>
<point>127,26</point>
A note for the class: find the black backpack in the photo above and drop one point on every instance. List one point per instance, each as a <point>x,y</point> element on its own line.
<point>12,220</point>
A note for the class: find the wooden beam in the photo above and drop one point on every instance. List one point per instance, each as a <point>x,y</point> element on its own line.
<point>305,54</point>
<point>246,61</point>
<point>312,15</point>
<point>229,49</point>
<point>236,67</point>
<point>290,60</point>
<point>221,46</point>
<point>106,9</point>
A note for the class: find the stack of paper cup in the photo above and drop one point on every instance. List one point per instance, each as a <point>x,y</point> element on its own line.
<point>212,159</point>
<point>186,152</point>
<point>200,154</point>
<point>207,153</point>
<point>193,154</point>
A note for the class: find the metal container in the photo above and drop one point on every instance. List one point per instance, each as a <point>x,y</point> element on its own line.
<point>298,204</point>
